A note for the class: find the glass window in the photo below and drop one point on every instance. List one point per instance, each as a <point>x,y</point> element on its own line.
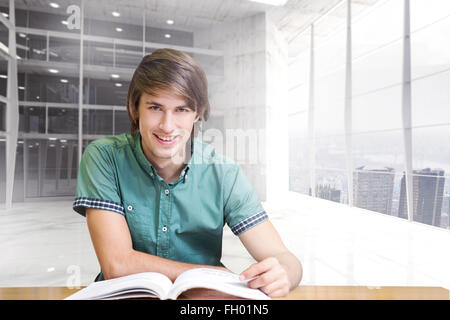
<point>63,120</point>
<point>431,148</point>
<point>98,53</point>
<point>2,169</point>
<point>331,185</point>
<point>429,196</point>
<point>37,47</point>
<point>373,188</point>
<point>51,167</point>
<point>379,149</point>
<point>97,121</point>
<point>380,110</point>
<point>431,100</point>
<point>65,50</point>
<point>299,173</point>
<point>127,56</point>
<point>112,92</point>
<point>122,123</point>
<point>32,119</point>
<point>2,116</point>
<point>4,32</point>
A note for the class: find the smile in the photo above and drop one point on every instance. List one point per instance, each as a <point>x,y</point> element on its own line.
<point>166,140</point>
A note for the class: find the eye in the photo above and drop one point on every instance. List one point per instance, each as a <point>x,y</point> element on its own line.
<point>183,109</point>
<point>153,108</point>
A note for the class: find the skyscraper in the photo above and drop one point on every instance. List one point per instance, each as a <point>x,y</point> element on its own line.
<point>327,192</point>
<point>428,191</point>
<point>372,188</point>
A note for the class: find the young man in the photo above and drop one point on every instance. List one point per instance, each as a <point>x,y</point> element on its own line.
<point>157,199</point>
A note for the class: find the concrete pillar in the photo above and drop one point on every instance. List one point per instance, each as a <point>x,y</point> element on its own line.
<point>252,98</point>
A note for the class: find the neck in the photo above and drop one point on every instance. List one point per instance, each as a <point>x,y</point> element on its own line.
<point>169,169</point>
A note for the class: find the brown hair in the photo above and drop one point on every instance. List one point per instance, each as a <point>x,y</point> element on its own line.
<point>171,71</point>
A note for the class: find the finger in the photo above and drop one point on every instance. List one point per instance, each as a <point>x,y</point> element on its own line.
<point>276,289</point>
<point>257,268</point>
<point>263,280</point>
<point>279,293</point>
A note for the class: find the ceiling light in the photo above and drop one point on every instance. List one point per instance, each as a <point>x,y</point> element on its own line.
<point>115,14</point>
<point>115,76</point>
<point>119,29</point>
<point>22,35</point>
<point>64,80</point>
<point>52,139</point>
<point>118,85</point>
<point>21,88</point>
<point>271,2</point>
<point>54,5</point>
<point>169,21</point>
<point>53,70</point>
<point>167,35</point>
<point>64,22</point>
<point>5,14</point>
<point>3,76</point>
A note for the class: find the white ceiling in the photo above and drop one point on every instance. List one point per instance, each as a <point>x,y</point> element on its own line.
<point>191,15</point>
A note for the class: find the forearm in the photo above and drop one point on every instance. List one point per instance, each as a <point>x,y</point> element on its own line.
<point>136,262</point>
<point>292,266</point>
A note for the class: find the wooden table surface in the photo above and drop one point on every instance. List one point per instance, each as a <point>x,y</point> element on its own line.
<point>302,292</point>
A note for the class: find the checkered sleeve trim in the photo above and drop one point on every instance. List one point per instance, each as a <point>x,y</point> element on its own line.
<point>249,222</point>
<point>99,204</point>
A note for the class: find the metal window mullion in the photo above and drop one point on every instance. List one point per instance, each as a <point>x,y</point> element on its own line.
<point>12,109</point>
<point>406,110</point>
<point>46,118</point>
<point>312,153</point>
<point>143,33</point>
<point>114,53</point>
<point>348,106</point>
<point>80,87</point>
<point>47,47</point>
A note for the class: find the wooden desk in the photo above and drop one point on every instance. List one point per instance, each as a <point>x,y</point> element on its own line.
<point>300,293</point>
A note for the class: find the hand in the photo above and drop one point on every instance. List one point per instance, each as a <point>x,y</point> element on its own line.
<point>272,278</point>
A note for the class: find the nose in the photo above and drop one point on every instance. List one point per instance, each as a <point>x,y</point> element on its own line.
<point>167,124</point>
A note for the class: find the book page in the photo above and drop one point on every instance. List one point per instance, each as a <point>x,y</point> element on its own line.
<point>146,284</point>
<point>223,281</point>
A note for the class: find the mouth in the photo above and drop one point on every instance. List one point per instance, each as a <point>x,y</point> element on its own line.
<point>166,140</point>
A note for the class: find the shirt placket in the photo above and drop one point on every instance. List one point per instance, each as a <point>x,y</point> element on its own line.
<point>164,219</point>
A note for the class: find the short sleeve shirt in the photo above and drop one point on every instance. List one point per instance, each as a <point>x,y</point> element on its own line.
<point>182,220</point>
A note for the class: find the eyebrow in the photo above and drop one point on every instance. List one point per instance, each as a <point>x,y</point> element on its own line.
<point>161,105</point>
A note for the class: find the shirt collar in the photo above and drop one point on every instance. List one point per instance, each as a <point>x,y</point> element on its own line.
<point>143,161</point>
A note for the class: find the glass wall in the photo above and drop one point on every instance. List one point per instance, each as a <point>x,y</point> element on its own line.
<point>377,134</point>
<point>48,50</point>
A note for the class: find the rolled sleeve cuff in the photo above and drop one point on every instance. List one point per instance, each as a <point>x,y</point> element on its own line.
<point>249,222</point>
<point>80,205</point>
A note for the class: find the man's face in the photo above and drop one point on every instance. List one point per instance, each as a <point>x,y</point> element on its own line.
<point>165,124</point>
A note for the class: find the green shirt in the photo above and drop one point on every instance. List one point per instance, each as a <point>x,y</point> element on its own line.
<point>182,220</point>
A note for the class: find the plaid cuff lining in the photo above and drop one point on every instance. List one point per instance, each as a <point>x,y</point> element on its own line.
<point>250,222</point>
<point>99,204</point>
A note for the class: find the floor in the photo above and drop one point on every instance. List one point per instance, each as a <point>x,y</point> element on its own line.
<point>48,244</point>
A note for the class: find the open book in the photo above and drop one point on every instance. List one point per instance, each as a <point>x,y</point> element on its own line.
<point>157,285</point>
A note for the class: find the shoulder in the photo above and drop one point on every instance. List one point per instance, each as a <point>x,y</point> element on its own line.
<point>205,154</point>
<point>110,144</point>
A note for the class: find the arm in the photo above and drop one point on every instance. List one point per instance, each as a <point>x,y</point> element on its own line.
<point>278,270</point>
<point>113,246</point>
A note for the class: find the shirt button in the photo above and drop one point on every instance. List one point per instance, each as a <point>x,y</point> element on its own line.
<point>166,191</point>
<point>164,229</point>
<point>130,208</point>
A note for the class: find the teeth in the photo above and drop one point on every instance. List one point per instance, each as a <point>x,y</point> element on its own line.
<point>166,138</point>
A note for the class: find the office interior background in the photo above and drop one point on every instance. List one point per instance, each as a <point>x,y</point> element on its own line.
<point>348,101</point>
